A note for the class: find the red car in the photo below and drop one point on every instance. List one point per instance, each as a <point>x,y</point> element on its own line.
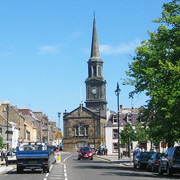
<point>85,153</point>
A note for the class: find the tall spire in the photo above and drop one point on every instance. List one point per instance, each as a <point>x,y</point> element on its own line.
<point>94,46</point>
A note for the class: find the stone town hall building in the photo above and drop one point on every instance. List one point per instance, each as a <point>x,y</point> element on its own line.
<point>85,126</point>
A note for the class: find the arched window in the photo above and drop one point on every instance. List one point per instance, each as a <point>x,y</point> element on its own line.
<point>81,130</point>
<point>94,71</point>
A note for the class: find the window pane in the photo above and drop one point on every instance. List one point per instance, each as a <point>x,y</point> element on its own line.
<point>115,147</point>
<point>86,131</point>
<point>81,131</point>
<point>115,133</point>
<point>115,118</point>
<point>76,131</point>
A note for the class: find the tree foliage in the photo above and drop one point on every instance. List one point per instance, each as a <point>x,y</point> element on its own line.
<point>138,134</point>
<point>155,70</point>
<point>1,141</point>
<point>141,133</point>
<point>126,133</point>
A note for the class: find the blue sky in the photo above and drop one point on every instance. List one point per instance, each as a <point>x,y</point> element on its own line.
<point>45,46</point>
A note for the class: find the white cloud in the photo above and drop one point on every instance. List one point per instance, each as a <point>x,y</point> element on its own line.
<point>123,48</point>
<point>49,49</point>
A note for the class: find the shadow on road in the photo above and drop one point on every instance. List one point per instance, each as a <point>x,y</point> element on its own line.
<point>113,169</point>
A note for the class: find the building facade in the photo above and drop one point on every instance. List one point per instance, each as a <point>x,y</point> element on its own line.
<point>19,125</point>
<point>126,115</point>
<point>85,126</point>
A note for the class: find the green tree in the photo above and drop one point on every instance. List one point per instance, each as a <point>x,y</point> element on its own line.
<point>141,133</point>
<point>126,133</point>
<point>155,70</point>
<point>1,141</point>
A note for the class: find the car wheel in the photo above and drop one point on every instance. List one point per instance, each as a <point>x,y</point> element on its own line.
<point>91,158</point>
<point>79,158</point>
<point>147,167</point>
<point>139,166</point>
<point>47,169</point>
<point>19,170</point>
<point>134,166</point>
<point>152,168</point>
<point>169,171</point>
<point>160,170</point>
<point>44,170</point>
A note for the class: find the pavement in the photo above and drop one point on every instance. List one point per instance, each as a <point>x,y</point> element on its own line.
<point>4,169</point>
<point>124,161</point>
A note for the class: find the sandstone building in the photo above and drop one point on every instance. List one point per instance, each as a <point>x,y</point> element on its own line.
<point>85,126</point>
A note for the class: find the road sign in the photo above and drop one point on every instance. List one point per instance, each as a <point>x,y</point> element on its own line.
<point>59,135</point>
<point>100,139</point>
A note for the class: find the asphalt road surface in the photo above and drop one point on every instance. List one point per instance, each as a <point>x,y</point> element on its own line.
<point>71,168</point>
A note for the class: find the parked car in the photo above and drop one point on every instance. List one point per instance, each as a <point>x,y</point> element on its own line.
<point>10,157</point>
<point>85,153</point>
<point>141,159</point>
<point>153,162</point>
<point>170,162</point>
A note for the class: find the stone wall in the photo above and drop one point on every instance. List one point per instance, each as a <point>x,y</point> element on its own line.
<point>83,116</point>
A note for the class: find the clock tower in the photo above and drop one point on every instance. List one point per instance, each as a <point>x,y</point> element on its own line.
<point>95,83</point>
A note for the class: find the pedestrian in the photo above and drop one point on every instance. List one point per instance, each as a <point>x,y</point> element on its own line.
<point>121,153</point>
<point>57,150</point>
<point>102,150</point>
<point>105,150</point>
<point>4,152</point>
<point>1,154</point>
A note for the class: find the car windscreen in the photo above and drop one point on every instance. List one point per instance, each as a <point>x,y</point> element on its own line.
<point>11,153</point>
<point>86,149</point>
<point>33,147</point>
<point>146,155</point>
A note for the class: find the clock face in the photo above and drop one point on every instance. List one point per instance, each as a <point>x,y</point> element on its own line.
<point>94,91</point>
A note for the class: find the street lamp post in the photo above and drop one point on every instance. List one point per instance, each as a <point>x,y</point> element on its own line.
<point>117,92</point>
<point>7,109</point>
<point>59,115</point>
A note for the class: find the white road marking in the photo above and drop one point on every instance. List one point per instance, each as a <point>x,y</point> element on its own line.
<point>50,167</point>
<point>67,158</point>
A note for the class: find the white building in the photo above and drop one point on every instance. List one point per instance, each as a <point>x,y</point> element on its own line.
<point>131,116</point>
<point>126,115</point>
<point>15,135</point>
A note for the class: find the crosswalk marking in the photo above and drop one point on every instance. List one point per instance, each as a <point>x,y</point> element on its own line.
<point>58,172</point>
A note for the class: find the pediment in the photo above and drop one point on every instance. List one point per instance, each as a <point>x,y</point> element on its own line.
<point>81,112</point>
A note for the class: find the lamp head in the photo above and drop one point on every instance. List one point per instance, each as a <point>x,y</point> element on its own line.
<point>117,91</point>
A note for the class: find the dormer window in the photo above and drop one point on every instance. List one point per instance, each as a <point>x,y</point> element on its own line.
<point>129,118</point>
<point>115,119</point>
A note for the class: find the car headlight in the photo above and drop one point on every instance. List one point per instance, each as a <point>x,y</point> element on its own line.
<point>90,154</point>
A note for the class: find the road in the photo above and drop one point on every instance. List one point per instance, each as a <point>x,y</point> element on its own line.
<point>71,168</point>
